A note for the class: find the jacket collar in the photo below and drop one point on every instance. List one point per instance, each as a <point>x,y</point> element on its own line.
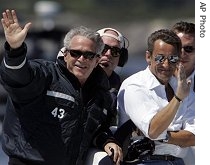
<point>98,77</point>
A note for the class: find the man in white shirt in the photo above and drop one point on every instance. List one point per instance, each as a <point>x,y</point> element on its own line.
<point>158,108</point>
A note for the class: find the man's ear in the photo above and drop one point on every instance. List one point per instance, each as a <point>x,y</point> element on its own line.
<point>65,56</point>
<point>148,57</point>
<point>97,60</point>
<point>65,53</point>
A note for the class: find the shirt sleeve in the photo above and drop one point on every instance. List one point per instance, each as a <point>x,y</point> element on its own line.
<point>141,105</point>
<point>185,117</point>
<point>189,116</point>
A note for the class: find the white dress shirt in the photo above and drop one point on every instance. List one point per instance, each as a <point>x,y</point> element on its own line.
<point>141,96</point>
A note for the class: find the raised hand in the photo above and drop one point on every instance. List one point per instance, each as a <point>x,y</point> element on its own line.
<point>14,34</point>
<point>183,87</point>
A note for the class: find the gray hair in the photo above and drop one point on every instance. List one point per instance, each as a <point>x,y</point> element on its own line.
<point>88,33</point>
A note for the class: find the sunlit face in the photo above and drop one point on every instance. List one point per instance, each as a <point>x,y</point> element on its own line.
<point>107,61</point>
<point>187,58</point>
<point>80,66</point>
<point>165,69</point>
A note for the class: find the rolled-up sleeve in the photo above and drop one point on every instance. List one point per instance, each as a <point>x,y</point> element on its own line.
<point>141,105</point>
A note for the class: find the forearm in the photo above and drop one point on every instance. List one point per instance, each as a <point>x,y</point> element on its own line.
<point>15,72</point>
<point>182,138</point>
<point>102,139</point>
<point>163,118</point>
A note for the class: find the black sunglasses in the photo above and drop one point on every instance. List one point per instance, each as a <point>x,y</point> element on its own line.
<point>78,54</point>
<point>115,51</point>
<point>188,49</point>
<point>173,59</point>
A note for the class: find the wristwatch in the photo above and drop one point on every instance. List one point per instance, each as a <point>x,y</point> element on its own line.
<point>179,100</point>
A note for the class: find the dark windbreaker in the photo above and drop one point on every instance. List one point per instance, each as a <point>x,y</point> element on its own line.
<point>50,119</point>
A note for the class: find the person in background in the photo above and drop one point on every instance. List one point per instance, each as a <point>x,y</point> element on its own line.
<point>55,110</point>
<point>114,54</point>
<point>186,32</point>
<point>157,108</point>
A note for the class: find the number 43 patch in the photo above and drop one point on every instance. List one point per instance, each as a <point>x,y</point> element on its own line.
<point>59,113</point>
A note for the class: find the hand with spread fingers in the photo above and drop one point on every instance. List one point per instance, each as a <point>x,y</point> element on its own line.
<point>14,34</point>
<point>183,88</point>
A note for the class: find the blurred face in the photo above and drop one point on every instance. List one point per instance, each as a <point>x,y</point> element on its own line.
<point>80,59</point>
<point>109,61</point>
<point>188,52</point>
<point>162,62</point>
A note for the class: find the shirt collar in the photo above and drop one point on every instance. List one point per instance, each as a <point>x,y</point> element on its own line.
<point>152,81</point>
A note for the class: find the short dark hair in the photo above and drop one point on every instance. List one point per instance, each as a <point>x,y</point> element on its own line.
<point>184,27</point>
<point>166,35</point>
